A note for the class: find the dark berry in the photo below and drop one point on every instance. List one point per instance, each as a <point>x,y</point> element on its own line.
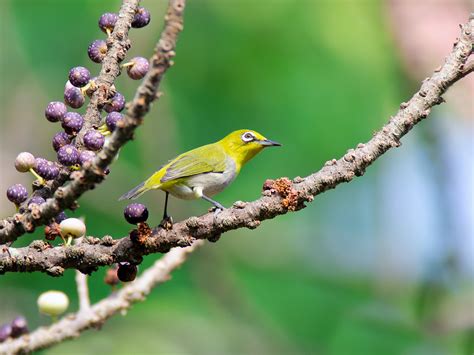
<point>138,68</point>
<point>5,332</point>
<point>107,22</point>
<point>97,50</point>
<point>93,140</point>
<point>37,200</point>
<point>135,213</point>
<point>17,193</point>
<point>142,18</point>
<point>85,156</point>
<point>111,277</point>
<point>55,111</point>
<point>60,217</point>
<point>68,155</point>
<point>116,103</point>
<point>19,326</point>
<point>24,162</point>
<point>111,120</point>
<point>73,96</point>
<point>46,169</point>
<point>127,272</point>
<point>72,122</point>
<point>60,139</point>
<point>79,76</point>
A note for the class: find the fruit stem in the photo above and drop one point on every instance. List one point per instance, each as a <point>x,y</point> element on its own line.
<point>64,240</point>
<point>85,88</point>
<point>129,64</point>
<point>41,180</point>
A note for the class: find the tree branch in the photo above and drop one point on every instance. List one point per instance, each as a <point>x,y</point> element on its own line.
<point>71,326</point>
<point>91,174</point>
<point>280,196</point>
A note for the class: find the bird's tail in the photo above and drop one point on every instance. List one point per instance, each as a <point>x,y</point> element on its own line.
<point>135,192</point>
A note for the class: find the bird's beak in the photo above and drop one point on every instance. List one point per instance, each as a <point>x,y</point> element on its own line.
<point>269,143</point>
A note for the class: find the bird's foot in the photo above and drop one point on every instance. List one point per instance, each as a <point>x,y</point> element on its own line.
<point>217,210</point>
<point>167,223</point>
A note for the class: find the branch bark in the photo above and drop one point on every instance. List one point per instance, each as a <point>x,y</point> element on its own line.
<point>72,325</point>
<point>280,196</point>
<point>81,181</point>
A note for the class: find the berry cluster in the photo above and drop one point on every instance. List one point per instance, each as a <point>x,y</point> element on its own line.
<point>16,328</point>
<point>74,150</point>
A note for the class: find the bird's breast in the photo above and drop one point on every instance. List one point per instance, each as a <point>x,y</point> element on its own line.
<point>208,184</point>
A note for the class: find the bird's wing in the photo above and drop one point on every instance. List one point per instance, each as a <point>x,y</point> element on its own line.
<point>207,159</point>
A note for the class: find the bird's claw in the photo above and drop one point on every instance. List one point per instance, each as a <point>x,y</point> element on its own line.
<point>167,223</point>
<point>217,210</point>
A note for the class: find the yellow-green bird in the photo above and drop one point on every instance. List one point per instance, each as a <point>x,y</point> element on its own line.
<point>204,171</point>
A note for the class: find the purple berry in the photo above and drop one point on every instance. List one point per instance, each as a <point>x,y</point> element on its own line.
<point>72,122</point>
<point>46,169</point>
<point>111,120</point>
<point>97,50</point>
<point>37,200</point>
<point>60,139</point>
<point>55,111</point>
<point>85,156</point>
<point>68,155</point>
<point>73,96</point>
<point>60,217</point>
<point>93,140</point>
<point>142,18</point>
<point>79,76</point>
<point>24,162</point>
<point>116,103</point>
<point>135,213</point>
<point>107,22</point>
<point>138,68</point>
<point>127,272</point>
<point>19,327</point>
<point>17,193</point>
<point>5,332</point>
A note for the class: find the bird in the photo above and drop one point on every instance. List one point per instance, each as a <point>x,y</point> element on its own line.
<point>204,171</point>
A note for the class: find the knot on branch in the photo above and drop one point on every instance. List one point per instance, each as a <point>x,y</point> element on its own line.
<point>283,187</point>
<point>39,245</point>
<point>108,241</point>
<point>141,234</point>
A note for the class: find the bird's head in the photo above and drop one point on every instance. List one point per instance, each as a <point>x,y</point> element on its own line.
<point>244,144</point>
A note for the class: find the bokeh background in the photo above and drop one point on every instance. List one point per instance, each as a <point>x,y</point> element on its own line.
<point>383,265</point>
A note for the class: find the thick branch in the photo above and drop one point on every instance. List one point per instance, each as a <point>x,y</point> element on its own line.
<point>73,325</point>
<point>279,197</point>
<point>92,174</point>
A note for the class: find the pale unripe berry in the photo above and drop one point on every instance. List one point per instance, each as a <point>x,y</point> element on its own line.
<point>24,162</point>
<point>53,303</point>
<point>72,227</point>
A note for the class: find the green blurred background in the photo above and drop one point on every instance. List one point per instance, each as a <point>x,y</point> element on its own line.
<point>382,265</point>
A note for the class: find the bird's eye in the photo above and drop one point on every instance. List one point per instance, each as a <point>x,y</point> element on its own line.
<point>248,137</point>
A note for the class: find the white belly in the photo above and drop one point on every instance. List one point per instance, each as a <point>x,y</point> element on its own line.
<point>207,184</point>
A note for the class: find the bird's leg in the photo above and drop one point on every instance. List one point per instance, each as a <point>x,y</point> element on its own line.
<point>218,208</point>
<point>167,222</point>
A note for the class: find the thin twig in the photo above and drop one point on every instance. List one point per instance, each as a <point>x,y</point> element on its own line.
<point>280,197</point>
<point>65,197</point>
<point>82,291</point>
<point>72,325</point>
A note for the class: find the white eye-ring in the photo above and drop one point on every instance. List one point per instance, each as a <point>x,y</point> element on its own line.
<point>248,137</point>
